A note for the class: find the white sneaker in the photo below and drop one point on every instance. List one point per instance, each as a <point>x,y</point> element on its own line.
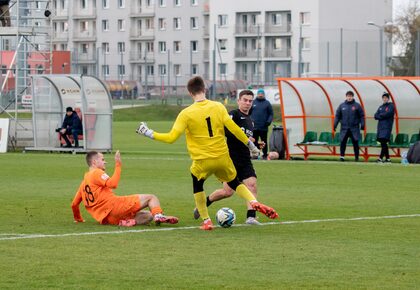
<point>252,221</point>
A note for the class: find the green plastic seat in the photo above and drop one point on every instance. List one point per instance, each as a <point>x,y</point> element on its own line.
<point>310,136</point>
<point>336,140</point>
<point>414,138</point>
<point>401,141</point>
<point>370,140</point>
<point>325,137</point>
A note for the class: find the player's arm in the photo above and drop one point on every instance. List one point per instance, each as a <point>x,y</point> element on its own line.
<point>75,205</point>
<point>177,129</point>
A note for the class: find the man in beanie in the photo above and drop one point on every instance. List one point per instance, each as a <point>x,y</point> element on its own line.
<point>352,118</point>
<point>262,116</point>
<point>385,117</point>
<point>72,125</point>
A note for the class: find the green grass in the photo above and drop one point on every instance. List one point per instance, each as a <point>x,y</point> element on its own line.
<point>37,190</point>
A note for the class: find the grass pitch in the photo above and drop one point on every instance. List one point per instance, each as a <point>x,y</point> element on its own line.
<point>37,190</point>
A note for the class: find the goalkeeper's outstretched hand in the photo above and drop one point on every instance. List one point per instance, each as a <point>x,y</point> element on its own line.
<point>144,130</point>
<point>255,152</point>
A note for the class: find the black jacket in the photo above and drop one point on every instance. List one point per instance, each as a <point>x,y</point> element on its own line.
<point>351,116</point>
<point>385,117</point>
<point>238,151</point>
<point>413,155</point>
<point>261,114</point>
<point>4,2</point>
<point>72,122</point>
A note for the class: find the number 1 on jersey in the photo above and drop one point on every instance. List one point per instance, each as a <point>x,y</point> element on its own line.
<point>209,126</point>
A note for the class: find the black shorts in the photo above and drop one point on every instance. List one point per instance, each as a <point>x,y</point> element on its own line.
<point>244,169</point>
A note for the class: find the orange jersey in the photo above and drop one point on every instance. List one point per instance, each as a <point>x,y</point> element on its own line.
<point>96,193</point>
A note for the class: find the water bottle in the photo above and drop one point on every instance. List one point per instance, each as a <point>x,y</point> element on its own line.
<point>404,160</point>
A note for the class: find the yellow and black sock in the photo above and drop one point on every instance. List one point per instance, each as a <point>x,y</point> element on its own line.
<point>200,203</point>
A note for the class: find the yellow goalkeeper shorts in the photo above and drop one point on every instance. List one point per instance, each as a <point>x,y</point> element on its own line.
<point>221,167</point>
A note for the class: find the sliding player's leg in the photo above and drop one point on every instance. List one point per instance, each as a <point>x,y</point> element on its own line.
<point>152,202</point>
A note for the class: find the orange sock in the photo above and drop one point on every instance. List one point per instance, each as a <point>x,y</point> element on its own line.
<point>156,210</point>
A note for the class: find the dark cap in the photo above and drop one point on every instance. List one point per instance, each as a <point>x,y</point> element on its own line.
<point>69,109</point>
<point>385,95</point>
<point>350,93</point>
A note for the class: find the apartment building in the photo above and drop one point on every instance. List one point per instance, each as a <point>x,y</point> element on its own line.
<point>164,42</point>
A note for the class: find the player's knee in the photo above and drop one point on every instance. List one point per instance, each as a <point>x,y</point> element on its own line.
<point>228,192</point>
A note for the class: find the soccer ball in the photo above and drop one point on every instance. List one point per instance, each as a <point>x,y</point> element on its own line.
<point>225,217</point>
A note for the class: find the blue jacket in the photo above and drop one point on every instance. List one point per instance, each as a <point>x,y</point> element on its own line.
<point>385,117</point>
<point>72,122</point>
<point>351,116</point>
<point>261,114</point>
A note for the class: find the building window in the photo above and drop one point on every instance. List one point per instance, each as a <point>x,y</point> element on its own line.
<point>177,23</point>
<point>305,18</point>
<point>277,44</point>
<point>222,20</point>
<point>194,69</point>
<point>150,70</point>
<point>254,19</point>
<point>148,3</point>
<point>105,70</point>
<point>63,46</point>
<point>84,70</point>
<point>38,5</point>
<point>105,4</point>
<point>177,2</point>
<point>105,25</point>
<point>306,43</point>
<point>149,23</point>
<point>85,48</point>
<point>177,69</point>
<point>105,47</point>
<point>194,46</point>
<point>3,70</point>
<point>121,47</point>
<point>162,24</point>
<point>121,70</point>
<point>121,25</point>
<point>63,4</point>
<point>162,46</point>
<point>150,46</point>
<point>121,3</point>
<point>162,69</point>
<point>83,4</point>
<point>177,46</point>
<point>222,69</point>
<point>84,26</point>
<point>162,3</point>
<point>194,2</point>
<point>39,69</point>
<point>194,22</point>
<point>276,19</point>
<point>223,44</point>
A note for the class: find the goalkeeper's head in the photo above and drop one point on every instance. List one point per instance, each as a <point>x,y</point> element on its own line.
<point>196,86</point>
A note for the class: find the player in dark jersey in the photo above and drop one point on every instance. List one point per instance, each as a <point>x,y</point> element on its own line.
<point>240,155</point>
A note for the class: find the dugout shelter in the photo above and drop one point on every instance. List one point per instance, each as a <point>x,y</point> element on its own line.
<point>308,107</point>
<point>85,94</point>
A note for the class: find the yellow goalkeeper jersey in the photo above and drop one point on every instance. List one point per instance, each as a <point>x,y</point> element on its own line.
<point>203,123</point>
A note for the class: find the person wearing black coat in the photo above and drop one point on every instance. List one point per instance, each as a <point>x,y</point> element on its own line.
<point>262,116</point>
<point>352,118</point>
<point>5,13</point>
<point>72,125</point>
<point>385,117</point>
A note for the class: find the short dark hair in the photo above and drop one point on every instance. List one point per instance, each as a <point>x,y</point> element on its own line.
<point>385,95</point>
<point>246,92</point>
<point>90,156</point>
<point>196,85</point>
<point>350,93</point>
<point>69,109</point>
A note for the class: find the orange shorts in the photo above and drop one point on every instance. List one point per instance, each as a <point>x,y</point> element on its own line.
<point>126,207</point>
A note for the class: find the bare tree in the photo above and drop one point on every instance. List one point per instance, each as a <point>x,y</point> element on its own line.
<point>404,34</point>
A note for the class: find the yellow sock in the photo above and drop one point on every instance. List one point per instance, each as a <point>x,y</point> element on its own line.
<point>200,203</point>
<point>244,192</point>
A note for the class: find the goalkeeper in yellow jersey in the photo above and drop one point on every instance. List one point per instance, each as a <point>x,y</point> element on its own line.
<point>203,123</point>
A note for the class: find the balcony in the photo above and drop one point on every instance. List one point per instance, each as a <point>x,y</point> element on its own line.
<point>206,55</point>
<point>141,57</point>
<point>247,29</point>
<point>278,29</point>
<point>84,57</point>
<point>142,12</point>
<point>281,53</point>
<point>84,36</point>
<point>60,36</point>
<point>84,14</point>
<point>246,53</point>
<point>144,34</point>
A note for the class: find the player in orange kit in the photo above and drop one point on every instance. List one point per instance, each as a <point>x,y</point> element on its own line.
<point>107,208</point>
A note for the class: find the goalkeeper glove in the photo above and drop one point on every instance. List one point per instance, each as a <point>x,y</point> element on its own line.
<point>255,152</point>
<point>144,130</point>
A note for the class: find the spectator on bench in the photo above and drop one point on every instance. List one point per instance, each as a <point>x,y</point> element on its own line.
<point>385,117</point>
<point>72,125</point>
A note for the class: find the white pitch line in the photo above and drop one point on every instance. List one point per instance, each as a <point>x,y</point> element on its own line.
<point>40,236</point>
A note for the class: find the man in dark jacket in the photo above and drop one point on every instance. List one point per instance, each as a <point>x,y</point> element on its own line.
<point>4,13</point>
<point>385,117</point>
<point>413,155</point>
<point>72,125</point>
<point>352,118</point>
<point>262,116</point>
